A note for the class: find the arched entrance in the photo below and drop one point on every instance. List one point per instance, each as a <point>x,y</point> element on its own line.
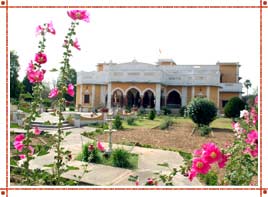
<point>148,99</point>
<point>174,99</point>
<point>117,98</point>
<point>133,98</point>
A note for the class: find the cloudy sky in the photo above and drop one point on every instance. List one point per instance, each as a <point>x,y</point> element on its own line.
<point>188,36</point>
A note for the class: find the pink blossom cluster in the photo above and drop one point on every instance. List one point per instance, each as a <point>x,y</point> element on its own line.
<point>151,181</point>
<point>99,146</point>
<point>48,27</point>
<point>36,75</point>
<point>55,91</point>
<point>79,15</point>
<point>204,157</point>
<point>252,141</point>
<point>18,144</point>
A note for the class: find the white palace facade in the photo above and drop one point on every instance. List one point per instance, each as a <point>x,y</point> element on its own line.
<point>164,84</point>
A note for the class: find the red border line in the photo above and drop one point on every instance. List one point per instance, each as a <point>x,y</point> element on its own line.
<point>138,6</point>
<point>126,188</point>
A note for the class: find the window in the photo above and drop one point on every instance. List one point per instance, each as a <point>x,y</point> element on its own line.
<point>224,102</point>
<point>86,99</point>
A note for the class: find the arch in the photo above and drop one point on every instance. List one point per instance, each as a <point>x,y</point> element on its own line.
<point>117,98</point>
<point>133,98</point>
<point>173,99</point>
<point>133,87</point>
<point>118,89</point>
<point>174,90</point>
<point>146,89</point>
<point>148,99</point>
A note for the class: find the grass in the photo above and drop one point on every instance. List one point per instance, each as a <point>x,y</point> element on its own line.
<point>222,123</point>
<point>143,122</point>
<point>14,125</point>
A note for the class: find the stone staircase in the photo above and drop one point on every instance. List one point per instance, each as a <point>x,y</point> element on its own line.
<point>51,126</point>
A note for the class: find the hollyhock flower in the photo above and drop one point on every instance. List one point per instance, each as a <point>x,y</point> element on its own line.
<point>237,128</point>
<point>70,89</point>
<point>192,174</point>
<point>37,131</point>
<point>36,76</point>
<point>252,137</point>
<point>50,28</point>
<point>20,137</point>
<point>22,156</point>
<point>90,147</point>
<point>252,152</point>
<point>256,100</point>
<point>244,113</point>
<point>198,152</point>
<point>79,15</point>
<point>150,181</point>
<point>76,44</point>
<point>53,93</point>
<point>31,150</point>
<point>39,30</point>
<point>40,58</point>
<point>100,147</point>
<point>18,145</point>
<point>137,183</point>
<point>211,152</point>
<point>200,166</point>
<point>30,67</point>
<point>254,115</point>
<point>222,160</point>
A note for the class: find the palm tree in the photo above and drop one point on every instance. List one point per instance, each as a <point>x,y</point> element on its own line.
<point>247,85</point>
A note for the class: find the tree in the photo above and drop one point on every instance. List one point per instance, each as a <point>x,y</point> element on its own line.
<point>202,111</point>
<point>247,85</point>
<point>27,86</point>
<point>233,107</point>
<point>15,85</point>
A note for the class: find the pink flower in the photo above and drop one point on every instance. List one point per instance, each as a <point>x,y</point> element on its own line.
<point>100,147</point>
<point>18,145</point>
<point>252,152</point>
<point>39,30</point>
<point>70,89</point>
<point>90,147</point>
<point>256,100</point>
<point>22,156</point>
<point>252,137</point>
<point>37,131</point>
<point>76,44</point>
<point>254,115</point>
<point>79,15</point>
<point>31,150</point>
<point>137,183</point>
<point>200,166</point>
<point>53,93</point>
<point>65,43</point>
<point>198,152</point>
<point>20,137</point>
<point>150,181</point>
<point>244,113</point>
<point>30,67</point>
<point>40,58</point>
<point>211,153</point>
<point>192,174</point>
<point>36,76</point>
<point>50,28</point>
<point>222,160</point>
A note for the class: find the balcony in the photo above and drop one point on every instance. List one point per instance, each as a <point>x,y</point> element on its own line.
<point>231,87</point>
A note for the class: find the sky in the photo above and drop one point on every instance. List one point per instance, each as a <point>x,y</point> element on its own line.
<point>188,36</point>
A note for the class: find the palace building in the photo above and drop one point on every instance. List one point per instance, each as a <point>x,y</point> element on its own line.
<point>164,84</point>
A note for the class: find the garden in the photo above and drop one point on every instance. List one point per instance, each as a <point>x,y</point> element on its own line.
<point>195,147</point>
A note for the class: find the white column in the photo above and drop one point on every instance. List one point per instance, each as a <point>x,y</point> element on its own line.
<point>184,96</point>
<point>157,97</point>
<point>93,95</point>
<point>193,92</point>
<point>81,94</point>
<point>102,96</point>
<point>208,92</point>
<point>109,97</point>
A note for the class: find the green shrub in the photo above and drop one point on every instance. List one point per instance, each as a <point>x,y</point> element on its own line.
<point>117,123</point>
<point>94,156</point>
<point>210,178</point>
<point>166,124</point>
<point>152,115</point>
<point>204,130</point>
<point>233,107</point>
<point>183,111</point>
<point>72,108</point>
<point>121,158</point>
<point>202,111</point>
<point>166,111</point>
<point>128,109</point>
<point>131,120</point>
<point>141,111</point>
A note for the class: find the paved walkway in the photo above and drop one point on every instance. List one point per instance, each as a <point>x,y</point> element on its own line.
<point>107,175</point>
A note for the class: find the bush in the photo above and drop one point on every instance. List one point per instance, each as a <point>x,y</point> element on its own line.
<point>202,111</point>
<point>166,124</point>
<point>117,123</point>
<point>128,109</point>
<point>131,121</point>
<point>204,130</point>
<point>233,107</point>
<point>72,108</point>
<point>94,156</point>
<point>152,115</point>
<point>166,111</point>
<point>183,111</point>
<point>121,158</point>
<point>141,111</point>
<point>210,178</point>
